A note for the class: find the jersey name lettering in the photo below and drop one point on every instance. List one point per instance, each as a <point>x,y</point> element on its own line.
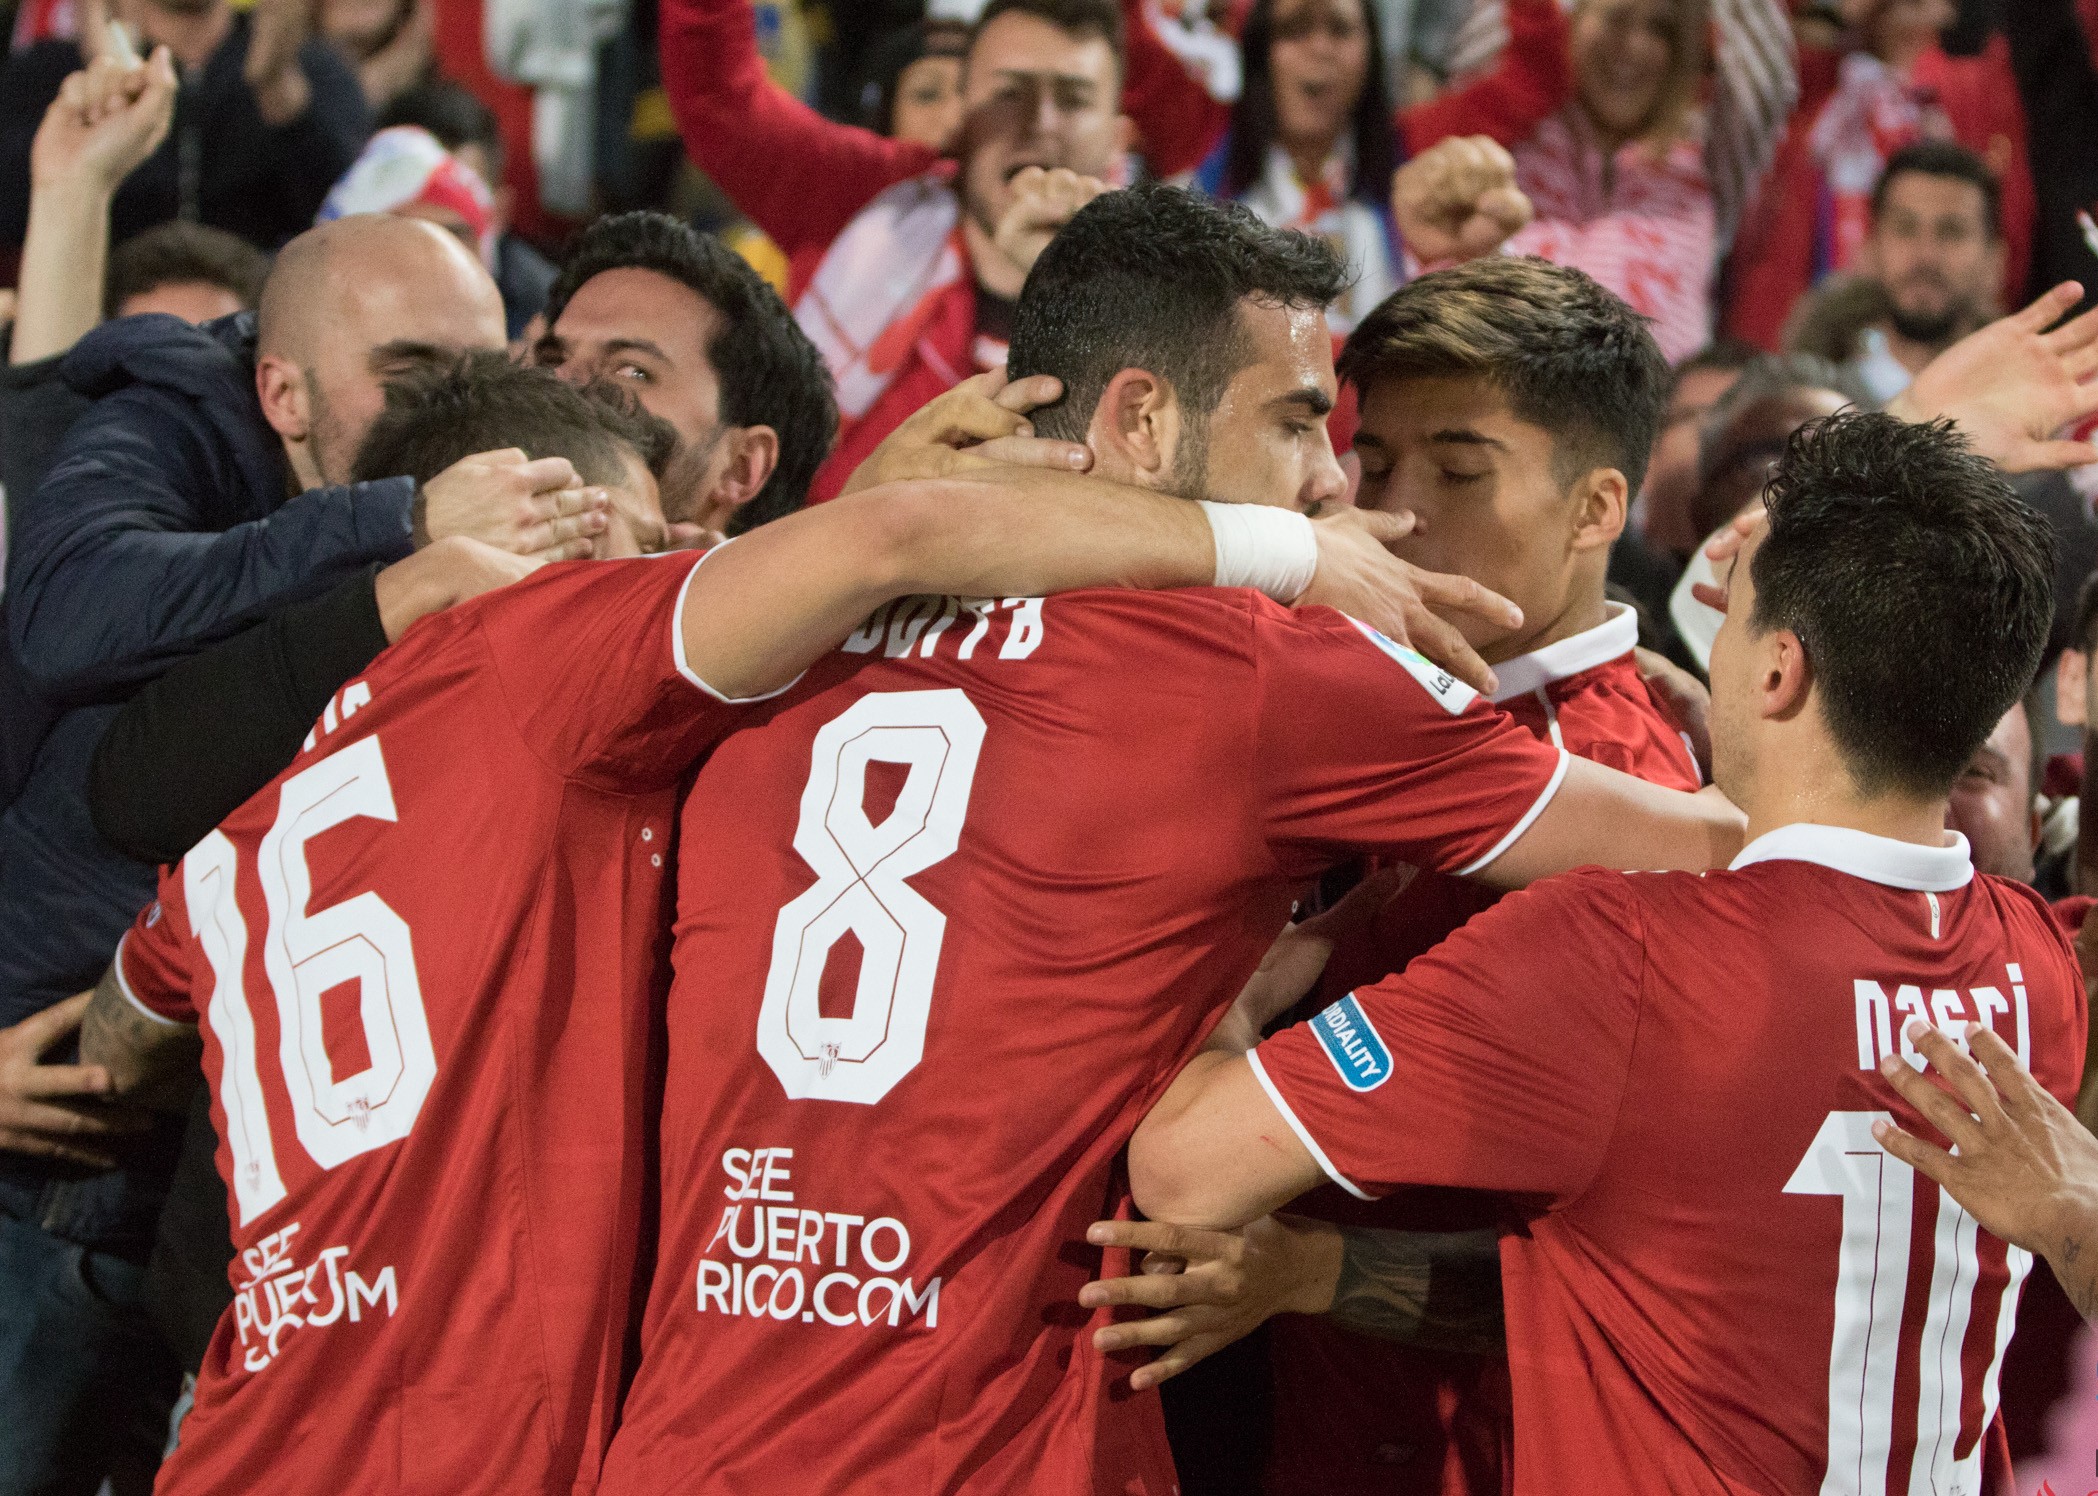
<point>925,623</point>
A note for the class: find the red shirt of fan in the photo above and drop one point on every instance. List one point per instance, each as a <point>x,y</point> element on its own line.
<point>949,921</point>
<point>1725,1285</point>
<point>424,961</point>
<point>1359,1416</point>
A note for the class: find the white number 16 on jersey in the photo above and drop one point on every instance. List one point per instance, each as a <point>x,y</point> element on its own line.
<point>860,870</point>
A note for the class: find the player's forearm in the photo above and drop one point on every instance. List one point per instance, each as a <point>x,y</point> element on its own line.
<point>64,254</point>
<point>1439,1290</point>
<point>1608,819</point>
<point>148,1059</point>
<point>766,607</point>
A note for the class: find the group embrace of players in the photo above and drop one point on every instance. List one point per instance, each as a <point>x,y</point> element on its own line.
<point>966,852</point>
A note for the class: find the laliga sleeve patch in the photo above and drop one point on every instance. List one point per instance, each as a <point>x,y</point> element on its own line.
<point>1356,1049</point>
<point>1450,693</point>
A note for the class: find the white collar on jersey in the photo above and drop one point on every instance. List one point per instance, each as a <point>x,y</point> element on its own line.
<point>1876,859</point>
<point>1616,635</point>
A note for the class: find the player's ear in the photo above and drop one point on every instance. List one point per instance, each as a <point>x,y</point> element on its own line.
<point>281,388</point>
<point>1136,428</point>
<point>1604,499</point>
<point>1786,675</point>
<point>742,467</point>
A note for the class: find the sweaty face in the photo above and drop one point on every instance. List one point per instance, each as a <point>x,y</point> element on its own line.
<point>649,333</point>
<point>430,301</point>
<point>1481,482</point>
<point>192,301</point>
<point>1266,442</point>
<point>1623,51</point>
<point>929,102</point>
<point>1035,95</point>
<point>1935,256</point>
<point>1992,801</point>
<point>1319,60</point>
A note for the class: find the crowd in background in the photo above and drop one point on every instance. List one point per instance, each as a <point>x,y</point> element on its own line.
<point>1809,202</point>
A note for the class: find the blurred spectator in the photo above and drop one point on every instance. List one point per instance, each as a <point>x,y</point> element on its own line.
<point>1701,381</point>
<point>389,42</point>
<point>1995,801</point>
<point>1829,320</point>
<point>185,270</point>
<point>1745,432</point>
<point>905,268</point>
<point>1882,84</point>
<point>2051,52</point>
<point>1935,250</point>
<point>467,128</point>
<point>1314,136</point>
<point>552,47</point>
<point>1623,179</point>
<point>913,87</point>
<point>266,120</point>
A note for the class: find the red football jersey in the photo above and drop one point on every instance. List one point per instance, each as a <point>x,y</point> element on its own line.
<point>1358,1416</point>
<point>1726,1285</point>
<point>949,921</point>
<point>424,960</point>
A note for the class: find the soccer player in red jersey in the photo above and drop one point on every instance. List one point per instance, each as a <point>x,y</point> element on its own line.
<point>425,960</point>
<point>955,910</point>
<point>1509,404</point>
<point>1723,1283</point>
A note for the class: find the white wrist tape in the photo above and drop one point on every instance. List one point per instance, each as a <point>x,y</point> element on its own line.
<point>1273,550</point>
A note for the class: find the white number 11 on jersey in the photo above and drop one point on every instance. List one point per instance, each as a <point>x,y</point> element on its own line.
<point>860,889</point>
<point>1872,1278</point>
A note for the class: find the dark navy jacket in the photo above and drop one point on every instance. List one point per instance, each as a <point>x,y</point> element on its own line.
<point>165,524</point>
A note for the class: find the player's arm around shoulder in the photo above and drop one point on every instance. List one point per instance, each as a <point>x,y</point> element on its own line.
<point>1610,819</point>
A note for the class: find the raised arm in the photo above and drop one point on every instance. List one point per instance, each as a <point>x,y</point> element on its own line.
<point>799,176</point>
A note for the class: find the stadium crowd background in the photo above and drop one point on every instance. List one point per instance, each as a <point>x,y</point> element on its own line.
<point>1808,202</point>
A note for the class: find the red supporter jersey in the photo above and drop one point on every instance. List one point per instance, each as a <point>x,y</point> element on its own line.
<point>1726,1285</point>
<point>950,919</point>
<point>1359,1416</point>
<point>424,961</point>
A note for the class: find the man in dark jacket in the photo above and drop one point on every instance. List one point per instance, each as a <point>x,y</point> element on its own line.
<point>196,496</point>
<point>265,122</point>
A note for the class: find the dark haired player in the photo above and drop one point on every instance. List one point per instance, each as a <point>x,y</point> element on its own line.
<point>956,908</point>
<point>1722,1283</point>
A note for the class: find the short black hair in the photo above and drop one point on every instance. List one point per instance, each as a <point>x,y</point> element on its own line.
<point>1944,158</point>
<point>450,113</point>
<point>438,412</point>
<point>770,373</point>
<point>178,253</point>
<point>1101,18</point>
<point>1920,584</point>
<point>1568,355</point>
<point>1151,278</point>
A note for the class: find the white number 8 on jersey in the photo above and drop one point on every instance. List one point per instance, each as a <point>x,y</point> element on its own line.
<point>860,871</point>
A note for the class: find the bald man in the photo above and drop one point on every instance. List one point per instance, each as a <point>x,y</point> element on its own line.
<point>203,490</point>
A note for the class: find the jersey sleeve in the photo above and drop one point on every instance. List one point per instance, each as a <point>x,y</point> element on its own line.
<point>152,964</point>
<point>1366,746</point>
<point>590,660</point>
<point>1496,1061</point>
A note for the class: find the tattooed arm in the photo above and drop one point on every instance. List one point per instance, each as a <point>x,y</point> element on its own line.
<point>150,1060</point>
<point>2026,1169</point>
<point>1432,1289</point>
